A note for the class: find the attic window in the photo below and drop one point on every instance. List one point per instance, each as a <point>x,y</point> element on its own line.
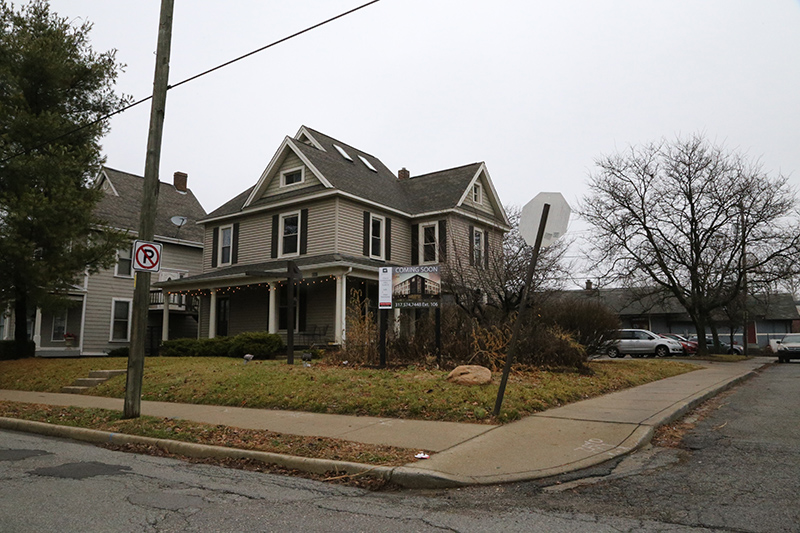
<point>291,176</point>
<point>367,163</point>
<point>342,152</point>
<point>477,194</point>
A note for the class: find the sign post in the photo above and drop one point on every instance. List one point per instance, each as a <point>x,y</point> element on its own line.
<point>541,231</point>
<point>384,304</point>
<point>293,276</point>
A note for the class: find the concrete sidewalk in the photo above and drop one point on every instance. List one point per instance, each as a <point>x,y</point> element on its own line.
<point>553,442</point>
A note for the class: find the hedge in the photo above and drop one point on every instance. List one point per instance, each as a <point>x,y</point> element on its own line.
<point>8,350</point>
<point>259,344</point>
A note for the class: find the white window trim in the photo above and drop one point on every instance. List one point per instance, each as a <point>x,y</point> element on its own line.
<point>130,319</point>
<point>477,190</point>
<point>282,218</point>
<point>478,252</point>
<point>302,170</point>
<point>422,243</point>
<point>382,254</point>
<point>219,246</point>
<point>116,266</point>
<point>53,327</point>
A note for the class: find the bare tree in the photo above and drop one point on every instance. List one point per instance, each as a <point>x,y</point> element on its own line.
<point>496,285</point>
<point>693,219</point>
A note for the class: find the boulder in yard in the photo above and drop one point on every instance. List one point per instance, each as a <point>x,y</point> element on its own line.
<point>470,375</point>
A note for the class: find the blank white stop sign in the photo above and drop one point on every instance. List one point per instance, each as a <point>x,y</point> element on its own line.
<point>557,218</point>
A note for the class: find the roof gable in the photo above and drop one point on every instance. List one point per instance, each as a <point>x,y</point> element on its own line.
<point>288,146</point>
<point>121,207</point>
<point>345,170</point>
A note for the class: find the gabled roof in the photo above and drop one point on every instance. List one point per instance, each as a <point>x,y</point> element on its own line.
<point>121,206</point>
<point>325,157</point>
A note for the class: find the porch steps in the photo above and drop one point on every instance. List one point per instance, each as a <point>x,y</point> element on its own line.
<point>96,377</point>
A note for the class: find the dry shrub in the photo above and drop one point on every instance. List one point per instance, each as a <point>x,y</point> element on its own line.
<point>419,347</point>
<point>361,343</point>
<point>490,346</point>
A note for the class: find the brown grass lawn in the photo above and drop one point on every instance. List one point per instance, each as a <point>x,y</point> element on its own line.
<point>401,393</point>
<point>405,393</point>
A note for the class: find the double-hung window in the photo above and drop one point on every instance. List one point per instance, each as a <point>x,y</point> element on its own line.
<point>290,234</point>
<point>120,320</point>
<point>429,242</point>
<point>123,268</point>
<point>225,245</point>
<point>377,225</point>
<point>478,247</point>
<point>59,326</point>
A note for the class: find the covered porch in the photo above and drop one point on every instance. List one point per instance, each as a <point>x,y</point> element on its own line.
<point>256,298</point>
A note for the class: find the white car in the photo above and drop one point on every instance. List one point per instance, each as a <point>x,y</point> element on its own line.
<point>788,348</point>
<point>641,342</point>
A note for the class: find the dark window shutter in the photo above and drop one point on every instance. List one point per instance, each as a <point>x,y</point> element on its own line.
<point>303,231</point>
<point>442,241</point>
<point>485,249</point>
<point>235,244</point>
<point>388,236</point>
<point>366,233</point>
<point>214,246</point>
<point>275,224</point>
<point>414,244</point>
<point>472,246</point>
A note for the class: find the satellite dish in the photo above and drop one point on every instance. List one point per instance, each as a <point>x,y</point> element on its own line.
<point>179,221</point>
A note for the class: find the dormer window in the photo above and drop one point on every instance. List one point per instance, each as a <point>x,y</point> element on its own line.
<point>342,152</point>
<point>367,163</point>
<point>292,176</point>
<point>477,194</point>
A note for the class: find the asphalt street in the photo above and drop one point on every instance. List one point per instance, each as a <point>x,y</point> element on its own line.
<point>738,470</point>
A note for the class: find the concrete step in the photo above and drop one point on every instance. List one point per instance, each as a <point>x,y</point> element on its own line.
<point>106,374</point>
<point>72,389</point>
<point>88,382</point>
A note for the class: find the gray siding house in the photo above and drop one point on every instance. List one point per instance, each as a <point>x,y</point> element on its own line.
<point>99,318</point>
<point>339,214</point>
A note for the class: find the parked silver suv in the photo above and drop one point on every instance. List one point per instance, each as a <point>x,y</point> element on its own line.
<point>641,342</point>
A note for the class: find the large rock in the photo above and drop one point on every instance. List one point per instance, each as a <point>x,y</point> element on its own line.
<point>470,375</point>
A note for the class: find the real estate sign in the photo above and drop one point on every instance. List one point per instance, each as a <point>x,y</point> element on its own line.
<point>416,286</point>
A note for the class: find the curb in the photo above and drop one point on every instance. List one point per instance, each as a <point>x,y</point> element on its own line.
<point>190,449</point>
<point>409,475</point>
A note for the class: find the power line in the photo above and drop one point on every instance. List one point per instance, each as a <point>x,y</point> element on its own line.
<point>192,78</point>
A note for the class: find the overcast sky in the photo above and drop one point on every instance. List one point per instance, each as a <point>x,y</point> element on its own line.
<point>537,89</point>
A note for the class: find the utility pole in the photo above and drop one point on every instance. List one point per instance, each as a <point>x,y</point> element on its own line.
<point>744,280</point>
<point>147,218</point>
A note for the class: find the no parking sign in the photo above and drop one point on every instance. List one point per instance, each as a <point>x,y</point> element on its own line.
<point>146,256</point>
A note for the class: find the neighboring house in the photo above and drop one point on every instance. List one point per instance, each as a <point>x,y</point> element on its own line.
<point>100,318</point>
<point>339,214</point>
<point>770,316</point>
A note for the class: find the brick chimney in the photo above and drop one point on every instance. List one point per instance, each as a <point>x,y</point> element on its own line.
<point>589,285</point>
<point>403,174</point>
<point>179,179</point>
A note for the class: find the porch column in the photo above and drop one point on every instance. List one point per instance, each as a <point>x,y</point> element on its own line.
<point>212,315</point>
<point>272,324</point>
<point>37,328</point>
<point>165,318</point>
<point>340,316</point>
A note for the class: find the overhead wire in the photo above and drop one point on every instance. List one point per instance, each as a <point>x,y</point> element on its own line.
<point>192,78</point>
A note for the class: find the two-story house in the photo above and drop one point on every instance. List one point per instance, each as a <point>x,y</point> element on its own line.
<point>99,318</point>
<point>339,214</point>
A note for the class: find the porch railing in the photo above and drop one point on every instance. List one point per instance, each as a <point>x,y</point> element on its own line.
<point>178,302</point>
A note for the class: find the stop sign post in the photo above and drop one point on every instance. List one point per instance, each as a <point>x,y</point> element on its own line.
<point>544,219</point>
